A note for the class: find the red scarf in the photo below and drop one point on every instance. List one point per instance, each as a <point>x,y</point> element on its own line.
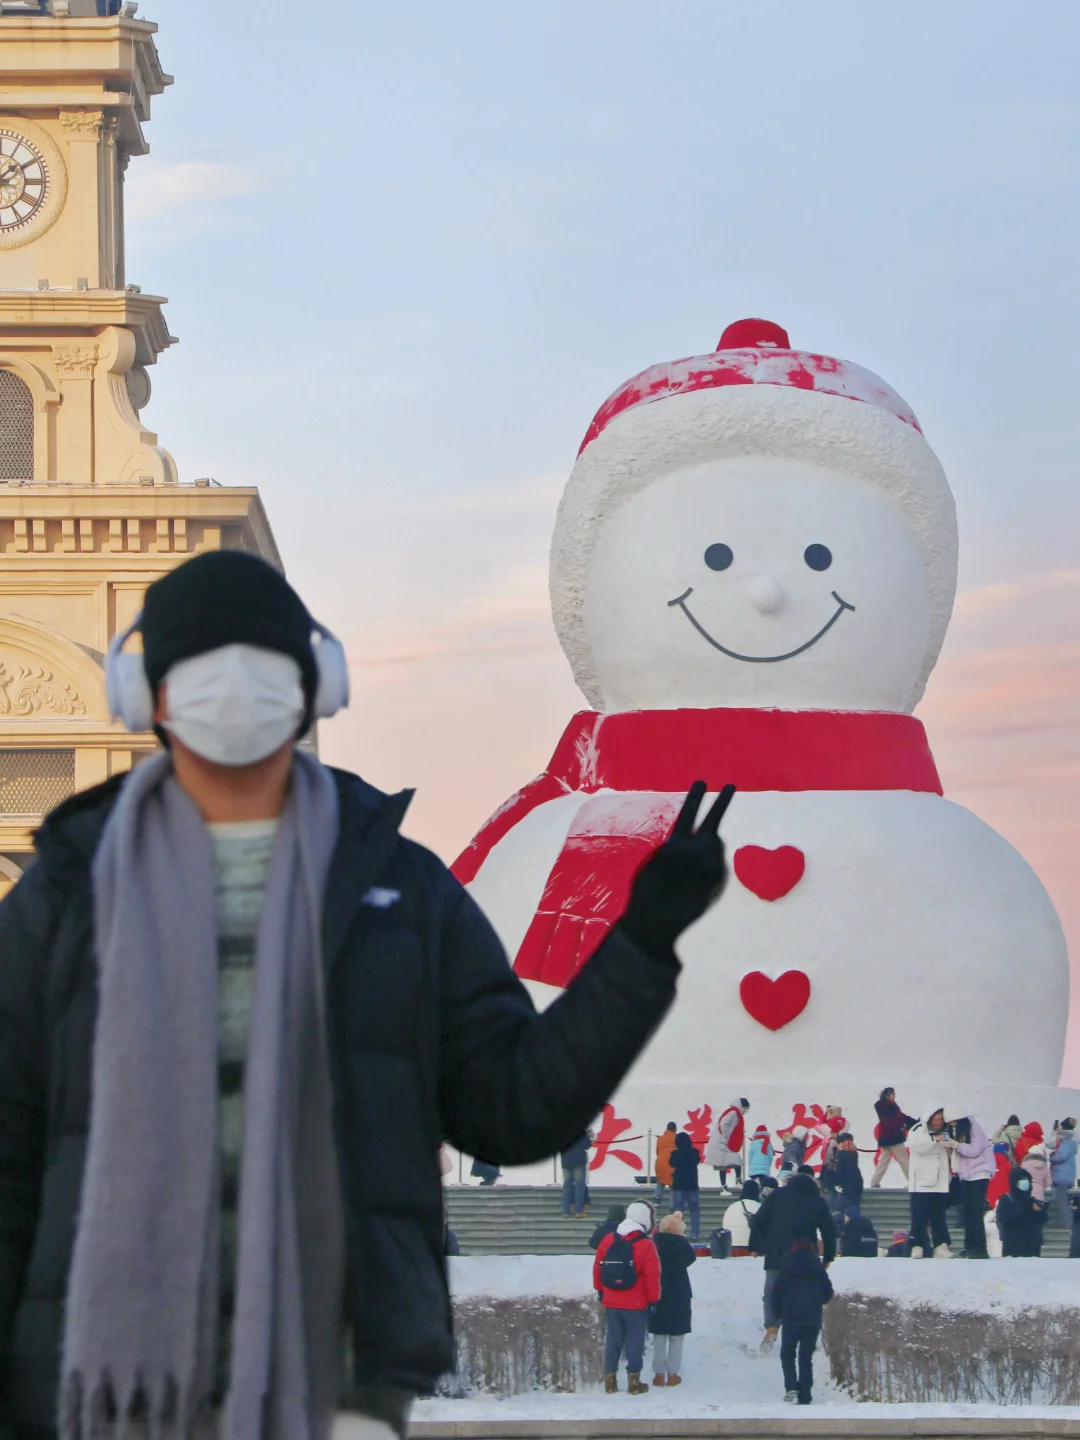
<point>638,767</point>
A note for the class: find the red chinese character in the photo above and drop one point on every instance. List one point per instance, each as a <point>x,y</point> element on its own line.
<point>811,1116</point>
<point>611,1128</point>
<point>699,1126</point>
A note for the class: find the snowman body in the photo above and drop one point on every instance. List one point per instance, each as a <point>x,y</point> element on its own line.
<point>924,935</point>
<point>752,575</point>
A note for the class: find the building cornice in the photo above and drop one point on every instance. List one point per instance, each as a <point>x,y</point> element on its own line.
<point>34,311</point>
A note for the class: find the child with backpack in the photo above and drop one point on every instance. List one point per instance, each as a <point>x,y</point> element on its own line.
<point>802,1291</point>
<point>626,1276</point>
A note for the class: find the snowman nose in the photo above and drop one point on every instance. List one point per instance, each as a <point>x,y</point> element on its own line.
<point>767,594</point>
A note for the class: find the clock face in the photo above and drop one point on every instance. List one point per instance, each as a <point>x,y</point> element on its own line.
<point>24,180</point>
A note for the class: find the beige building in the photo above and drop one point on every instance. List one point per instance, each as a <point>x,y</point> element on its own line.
<point>91,507</point>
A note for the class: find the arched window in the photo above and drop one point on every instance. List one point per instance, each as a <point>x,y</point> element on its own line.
<point>16,428</point>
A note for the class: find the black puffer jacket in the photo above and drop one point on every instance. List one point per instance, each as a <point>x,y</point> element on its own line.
<point>796,1211</point>
<point>431,1037</point>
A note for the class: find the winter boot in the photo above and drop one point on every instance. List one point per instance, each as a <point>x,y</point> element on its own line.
<point>658,1381</point>
<point>791,1396</point>
<point>769,1341</point>
<point>942,1252</point>
<point>611,1384</point>
<point>634,1385</point>
<point>673,1380</point>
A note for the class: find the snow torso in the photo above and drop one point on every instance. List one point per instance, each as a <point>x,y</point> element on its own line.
<point>920,929</point>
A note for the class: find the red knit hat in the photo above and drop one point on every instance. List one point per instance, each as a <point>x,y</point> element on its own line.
<point>752,352</point>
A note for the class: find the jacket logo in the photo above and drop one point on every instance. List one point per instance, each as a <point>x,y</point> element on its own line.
<point>380,898</point>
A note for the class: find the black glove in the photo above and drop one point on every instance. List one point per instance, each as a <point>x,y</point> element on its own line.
<point>678,882</point>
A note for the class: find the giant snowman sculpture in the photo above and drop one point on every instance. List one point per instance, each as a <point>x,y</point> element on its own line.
<point>752,574</point>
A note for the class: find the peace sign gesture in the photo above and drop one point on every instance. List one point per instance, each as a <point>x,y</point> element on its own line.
<point>680,880</point>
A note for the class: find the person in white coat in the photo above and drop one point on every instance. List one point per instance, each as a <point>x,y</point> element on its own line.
<point>930,1146</point>
<point>737,1217</point>
<point>725,1147</point>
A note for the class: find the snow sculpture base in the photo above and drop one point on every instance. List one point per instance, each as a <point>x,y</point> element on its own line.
<point>643,1109</point>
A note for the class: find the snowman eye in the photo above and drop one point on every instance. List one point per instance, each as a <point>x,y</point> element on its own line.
<point>718,557</point>
<point>818,557</point>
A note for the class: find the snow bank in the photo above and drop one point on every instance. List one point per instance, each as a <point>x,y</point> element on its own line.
<point>990,1304</point>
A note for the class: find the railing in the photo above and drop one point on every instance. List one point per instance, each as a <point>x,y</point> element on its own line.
<point>143,483</point>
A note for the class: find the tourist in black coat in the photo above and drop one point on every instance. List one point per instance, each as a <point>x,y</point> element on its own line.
<point>802,1291</point>
<point>615,1216</point>
<point>795,1211</point>
<point>429,1033</point>
<point>1074,1237</point>
<point>669,1321</point>
<point>858,1238</point>
<point>685,1162</point>
<point>1020,1218</point>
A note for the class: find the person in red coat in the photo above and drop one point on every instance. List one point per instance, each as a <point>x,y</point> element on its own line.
<point>626,1306</point>
<point>1032,1134</point>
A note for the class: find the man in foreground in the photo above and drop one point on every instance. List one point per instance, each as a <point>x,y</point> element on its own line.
<point>229,989</point>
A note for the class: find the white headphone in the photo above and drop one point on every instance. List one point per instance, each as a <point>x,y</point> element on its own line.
<point>132,700</point>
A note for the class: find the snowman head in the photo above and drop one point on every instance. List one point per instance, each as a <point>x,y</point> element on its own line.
<point>757,527</point>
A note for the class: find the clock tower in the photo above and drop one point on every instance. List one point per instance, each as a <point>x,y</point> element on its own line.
<point>91,507</point>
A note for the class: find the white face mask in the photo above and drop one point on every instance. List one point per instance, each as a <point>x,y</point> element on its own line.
<point>235,705</point>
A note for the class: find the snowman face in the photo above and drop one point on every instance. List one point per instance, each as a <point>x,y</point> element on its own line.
<point>757,581</point>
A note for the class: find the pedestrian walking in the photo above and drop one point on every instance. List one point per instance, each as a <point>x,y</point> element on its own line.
<point>1020,1217</point>
<point>929,1177</point>
<point>738,1217</point>
<point>575,1169</point>
<point>626,1276</point>
<point>164,1120</point>
<point>1062,1169</point>
<point>665,1143</point>
<point>801,1292</point>
<point>761,1154</point>
<point>795,1211</point>
<point>725,1147</point>
<point>685,1162</point>
<point>974,1164</point>
<point>615,1216</point>
<point>670,1319</point>
<point>892,1129</point>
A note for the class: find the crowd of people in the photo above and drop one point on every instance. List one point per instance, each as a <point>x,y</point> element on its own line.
<point>1005,1185</point>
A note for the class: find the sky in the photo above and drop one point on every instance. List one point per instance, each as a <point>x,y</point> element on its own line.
<point>409,251</point>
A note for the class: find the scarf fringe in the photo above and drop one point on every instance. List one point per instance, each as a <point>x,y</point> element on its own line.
<point>109,1410</point>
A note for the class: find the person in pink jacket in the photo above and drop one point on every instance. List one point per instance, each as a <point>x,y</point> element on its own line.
<point>1037,1163</point>
<point>974,1163</point>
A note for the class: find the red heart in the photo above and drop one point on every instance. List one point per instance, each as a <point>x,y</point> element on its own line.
<point>774,1003</point>
<point>770,874</point>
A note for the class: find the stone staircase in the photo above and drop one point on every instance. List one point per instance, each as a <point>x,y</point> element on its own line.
<point>528,1220</point>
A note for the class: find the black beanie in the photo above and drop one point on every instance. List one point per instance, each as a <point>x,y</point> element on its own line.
<point>225,597</point>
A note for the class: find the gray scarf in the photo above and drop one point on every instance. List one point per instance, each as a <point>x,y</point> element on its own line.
<point>142,1305</point>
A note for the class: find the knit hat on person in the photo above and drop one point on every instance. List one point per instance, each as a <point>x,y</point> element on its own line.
<point>672,1224</point>
<point>768,1182</point>
<point>762,1132</point>
<point>899,1236</point>
<point>225,597</point>
<point>751,1190</point>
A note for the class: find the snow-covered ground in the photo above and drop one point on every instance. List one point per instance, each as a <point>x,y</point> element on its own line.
<point>723,1373</point>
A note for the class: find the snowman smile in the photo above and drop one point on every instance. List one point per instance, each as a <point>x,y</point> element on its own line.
<point>680,601</point>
